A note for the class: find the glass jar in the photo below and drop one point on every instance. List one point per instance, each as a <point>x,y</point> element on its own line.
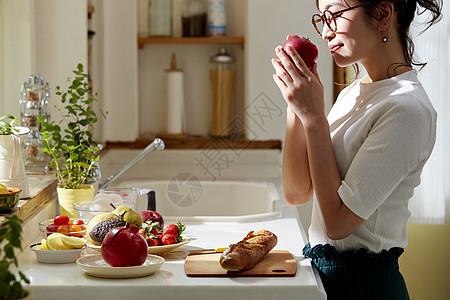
<point>34,101</point>
<point>222,76</point>
<point>193,18</point>
<point>35,94</point>
<point>32,144</point>
<point>160,18</point>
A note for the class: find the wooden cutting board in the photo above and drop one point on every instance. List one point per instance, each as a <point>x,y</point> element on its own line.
<point>278,263</point>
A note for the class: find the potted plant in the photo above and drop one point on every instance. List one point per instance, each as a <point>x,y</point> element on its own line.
<point>12,165</point>
<point>8,128</point>
<point>73,152</point>
<point>10,238</point>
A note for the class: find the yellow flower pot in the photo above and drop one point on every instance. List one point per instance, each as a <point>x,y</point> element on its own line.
<point>67,197</point>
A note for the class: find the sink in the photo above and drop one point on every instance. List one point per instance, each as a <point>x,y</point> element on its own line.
<point>186,199</point>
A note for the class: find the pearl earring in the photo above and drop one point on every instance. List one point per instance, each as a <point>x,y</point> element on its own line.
<point>385,37</point>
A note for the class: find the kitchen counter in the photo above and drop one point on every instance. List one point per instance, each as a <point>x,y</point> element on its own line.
<point>67,281</point>
<point>42,189</point>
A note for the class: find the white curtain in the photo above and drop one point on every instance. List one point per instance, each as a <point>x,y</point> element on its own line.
<point>431,201</point>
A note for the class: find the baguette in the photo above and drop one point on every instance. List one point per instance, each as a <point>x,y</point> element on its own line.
<point>248,252</point>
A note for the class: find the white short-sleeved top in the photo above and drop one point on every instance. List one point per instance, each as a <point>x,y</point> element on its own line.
<point>382,134</point>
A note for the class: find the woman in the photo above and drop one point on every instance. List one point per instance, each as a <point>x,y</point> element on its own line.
<point>364,160</point>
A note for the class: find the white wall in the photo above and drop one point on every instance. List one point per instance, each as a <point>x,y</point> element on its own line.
<point>60,43</point>
<point>47,37</point>
<point>16,52</point>
<point>269,22</point>
<point>114,68</point>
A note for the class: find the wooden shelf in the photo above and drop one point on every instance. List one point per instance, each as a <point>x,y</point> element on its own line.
<point>198,142</point>
<point>190,40</point>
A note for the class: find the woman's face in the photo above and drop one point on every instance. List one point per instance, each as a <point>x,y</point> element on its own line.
<point>356,38</point>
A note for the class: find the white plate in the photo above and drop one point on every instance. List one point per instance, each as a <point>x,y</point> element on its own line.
<point>95,247</point>
<point>55,256</point>
<point>157,250</point>
<point>96,266</point>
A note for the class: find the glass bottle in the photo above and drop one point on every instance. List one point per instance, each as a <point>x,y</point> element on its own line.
<point>193,18</point>
<point>160,18</point>
<point>222,76</point>
<point>217,25</point>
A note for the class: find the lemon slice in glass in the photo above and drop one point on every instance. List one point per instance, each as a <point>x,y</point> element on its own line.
<point>54,242</point>
<point>72,242</point>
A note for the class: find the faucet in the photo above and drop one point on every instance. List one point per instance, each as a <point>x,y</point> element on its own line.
<point>156,145</point>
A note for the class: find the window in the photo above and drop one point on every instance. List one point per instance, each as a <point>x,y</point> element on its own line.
<point>431,201</point>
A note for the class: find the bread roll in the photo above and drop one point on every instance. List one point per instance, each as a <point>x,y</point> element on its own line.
<point>247,253</point>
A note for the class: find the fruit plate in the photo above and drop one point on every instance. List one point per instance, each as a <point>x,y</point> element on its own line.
<point>95,265</point>
<point>158,250</point>
<point>55,256</point>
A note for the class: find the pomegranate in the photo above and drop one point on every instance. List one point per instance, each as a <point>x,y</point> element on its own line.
<point>124,247</point>
<point>305,48</point>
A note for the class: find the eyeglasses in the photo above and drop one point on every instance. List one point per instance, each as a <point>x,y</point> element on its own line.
<point>329,18</point>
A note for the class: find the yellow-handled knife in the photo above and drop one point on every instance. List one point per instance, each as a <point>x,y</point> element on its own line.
<point>208,251</point>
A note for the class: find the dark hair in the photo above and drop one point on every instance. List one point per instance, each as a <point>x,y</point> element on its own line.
<point>406,10</point>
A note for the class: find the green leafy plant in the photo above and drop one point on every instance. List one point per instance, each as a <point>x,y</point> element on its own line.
<point>73,152</point>
<point>7,128</point>
<point>11,235</point>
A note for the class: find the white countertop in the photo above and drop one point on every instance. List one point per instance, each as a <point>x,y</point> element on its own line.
<point>67,281</point>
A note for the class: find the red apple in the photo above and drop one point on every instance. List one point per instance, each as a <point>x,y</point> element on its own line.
<point>305,48</point>
<point>124,247</point>
<point>152,216</point>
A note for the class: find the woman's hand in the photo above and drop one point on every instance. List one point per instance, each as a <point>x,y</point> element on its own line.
<point>300,87</point>
<point>308,158</point>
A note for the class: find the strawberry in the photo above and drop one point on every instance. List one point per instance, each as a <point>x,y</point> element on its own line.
<point>172,229</point>
<point>152,242</point>
<point>169,239</point>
